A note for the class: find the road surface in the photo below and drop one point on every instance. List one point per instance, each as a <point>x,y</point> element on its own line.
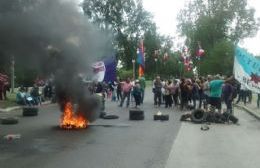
<point>142,144</point>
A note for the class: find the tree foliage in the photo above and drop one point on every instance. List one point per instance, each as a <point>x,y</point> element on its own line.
<point>126,19</point>
<point>218,26</point>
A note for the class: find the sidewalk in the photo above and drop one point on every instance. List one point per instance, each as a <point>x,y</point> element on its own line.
<point>16,110</point>
<point>222,145</point>
<point>250,108</point>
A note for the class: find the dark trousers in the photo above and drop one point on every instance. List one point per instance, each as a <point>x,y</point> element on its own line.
<point>175,99</point>
<point>137,100</point>
<point>242,96</point>
<point>184,102</point>
<point>201,98</point>
<point>119,95</point>
<point>228,103</point>
<point>125,95</point>
<point>168,101</point>
<point>157,98</point>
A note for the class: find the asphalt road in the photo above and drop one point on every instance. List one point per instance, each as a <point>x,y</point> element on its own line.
<point>142,144</point>
<point>139,144</point>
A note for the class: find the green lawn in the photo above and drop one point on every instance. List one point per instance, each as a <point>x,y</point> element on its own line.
<point>10,102</point>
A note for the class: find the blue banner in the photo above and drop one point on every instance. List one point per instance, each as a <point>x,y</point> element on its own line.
<point>247,69</point>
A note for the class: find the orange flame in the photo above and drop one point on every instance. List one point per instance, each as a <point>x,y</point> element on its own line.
<point>71,120</point>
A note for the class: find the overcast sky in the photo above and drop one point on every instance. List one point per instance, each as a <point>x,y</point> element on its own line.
<point>166,11</point>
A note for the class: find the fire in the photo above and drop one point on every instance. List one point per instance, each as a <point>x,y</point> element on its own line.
<point>71,120</point>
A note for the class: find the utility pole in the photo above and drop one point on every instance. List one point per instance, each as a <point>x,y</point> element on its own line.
<point>12,74</point>
<point>133,61</point>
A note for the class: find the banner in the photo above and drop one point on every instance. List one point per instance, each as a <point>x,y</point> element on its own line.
<point>247,69</point>
<point>105,70</point>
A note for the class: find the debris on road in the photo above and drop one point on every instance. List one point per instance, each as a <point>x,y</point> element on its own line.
<point>161,117</point>
<point>199,116</point>
<point>10,137</point>
<point>104,115</point>
<point>204,127</point>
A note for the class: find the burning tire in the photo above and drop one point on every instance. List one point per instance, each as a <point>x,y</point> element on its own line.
<point>30,111</point>
<point>198,116</point>
<point>9,121</point>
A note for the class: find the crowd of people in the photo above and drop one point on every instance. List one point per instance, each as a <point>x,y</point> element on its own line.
<point>121,91</point>
<point>184,93</point>
<point>192,93</point>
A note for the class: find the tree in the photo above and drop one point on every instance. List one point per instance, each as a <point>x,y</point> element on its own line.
<point>126,19</point>
<point>216,23</point>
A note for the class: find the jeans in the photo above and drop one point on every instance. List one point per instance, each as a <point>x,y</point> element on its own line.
<point>119,95</point>
<point>125,95</point>
<point>228,103</point>
<point>157,98</point>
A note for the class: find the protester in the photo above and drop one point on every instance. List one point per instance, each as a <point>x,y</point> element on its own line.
<point>20,97</point>
<point>227,94</point>
<point>137,93</point>
<point>175,92</point>
<point>184,94</point>
<point>195,92</point>
<point>157,91</point>
<point>126,88</point>
<point>242,94</point>
<point>201,91</point>
<point>118,89</point>
<point>36,95</point>
<point>143,85</point>
<point>216,91</point>
<point>168,93</point>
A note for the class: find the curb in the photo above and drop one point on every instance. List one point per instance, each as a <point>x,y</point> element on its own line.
<point>249,111</point>
<point>19,107</point>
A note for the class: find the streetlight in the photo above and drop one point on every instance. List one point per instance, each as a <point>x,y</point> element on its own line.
<point>133,61</point>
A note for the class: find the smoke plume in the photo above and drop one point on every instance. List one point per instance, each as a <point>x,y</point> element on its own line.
<point>52,36</point>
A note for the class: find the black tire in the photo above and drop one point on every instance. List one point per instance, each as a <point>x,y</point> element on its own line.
<point>110,117</point>
<point>136,114</point>
<point>30,111</point>
<point>102,114</point>
<point>164,117</point>
<point>9,121</point>
<point>185,117</point>
<point>198,116</point>
<point>219,118</point>
<point>230,117</point>
<point>137,117</point>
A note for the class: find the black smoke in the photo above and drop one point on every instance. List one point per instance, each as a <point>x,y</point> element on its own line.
<point>52,36</point>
